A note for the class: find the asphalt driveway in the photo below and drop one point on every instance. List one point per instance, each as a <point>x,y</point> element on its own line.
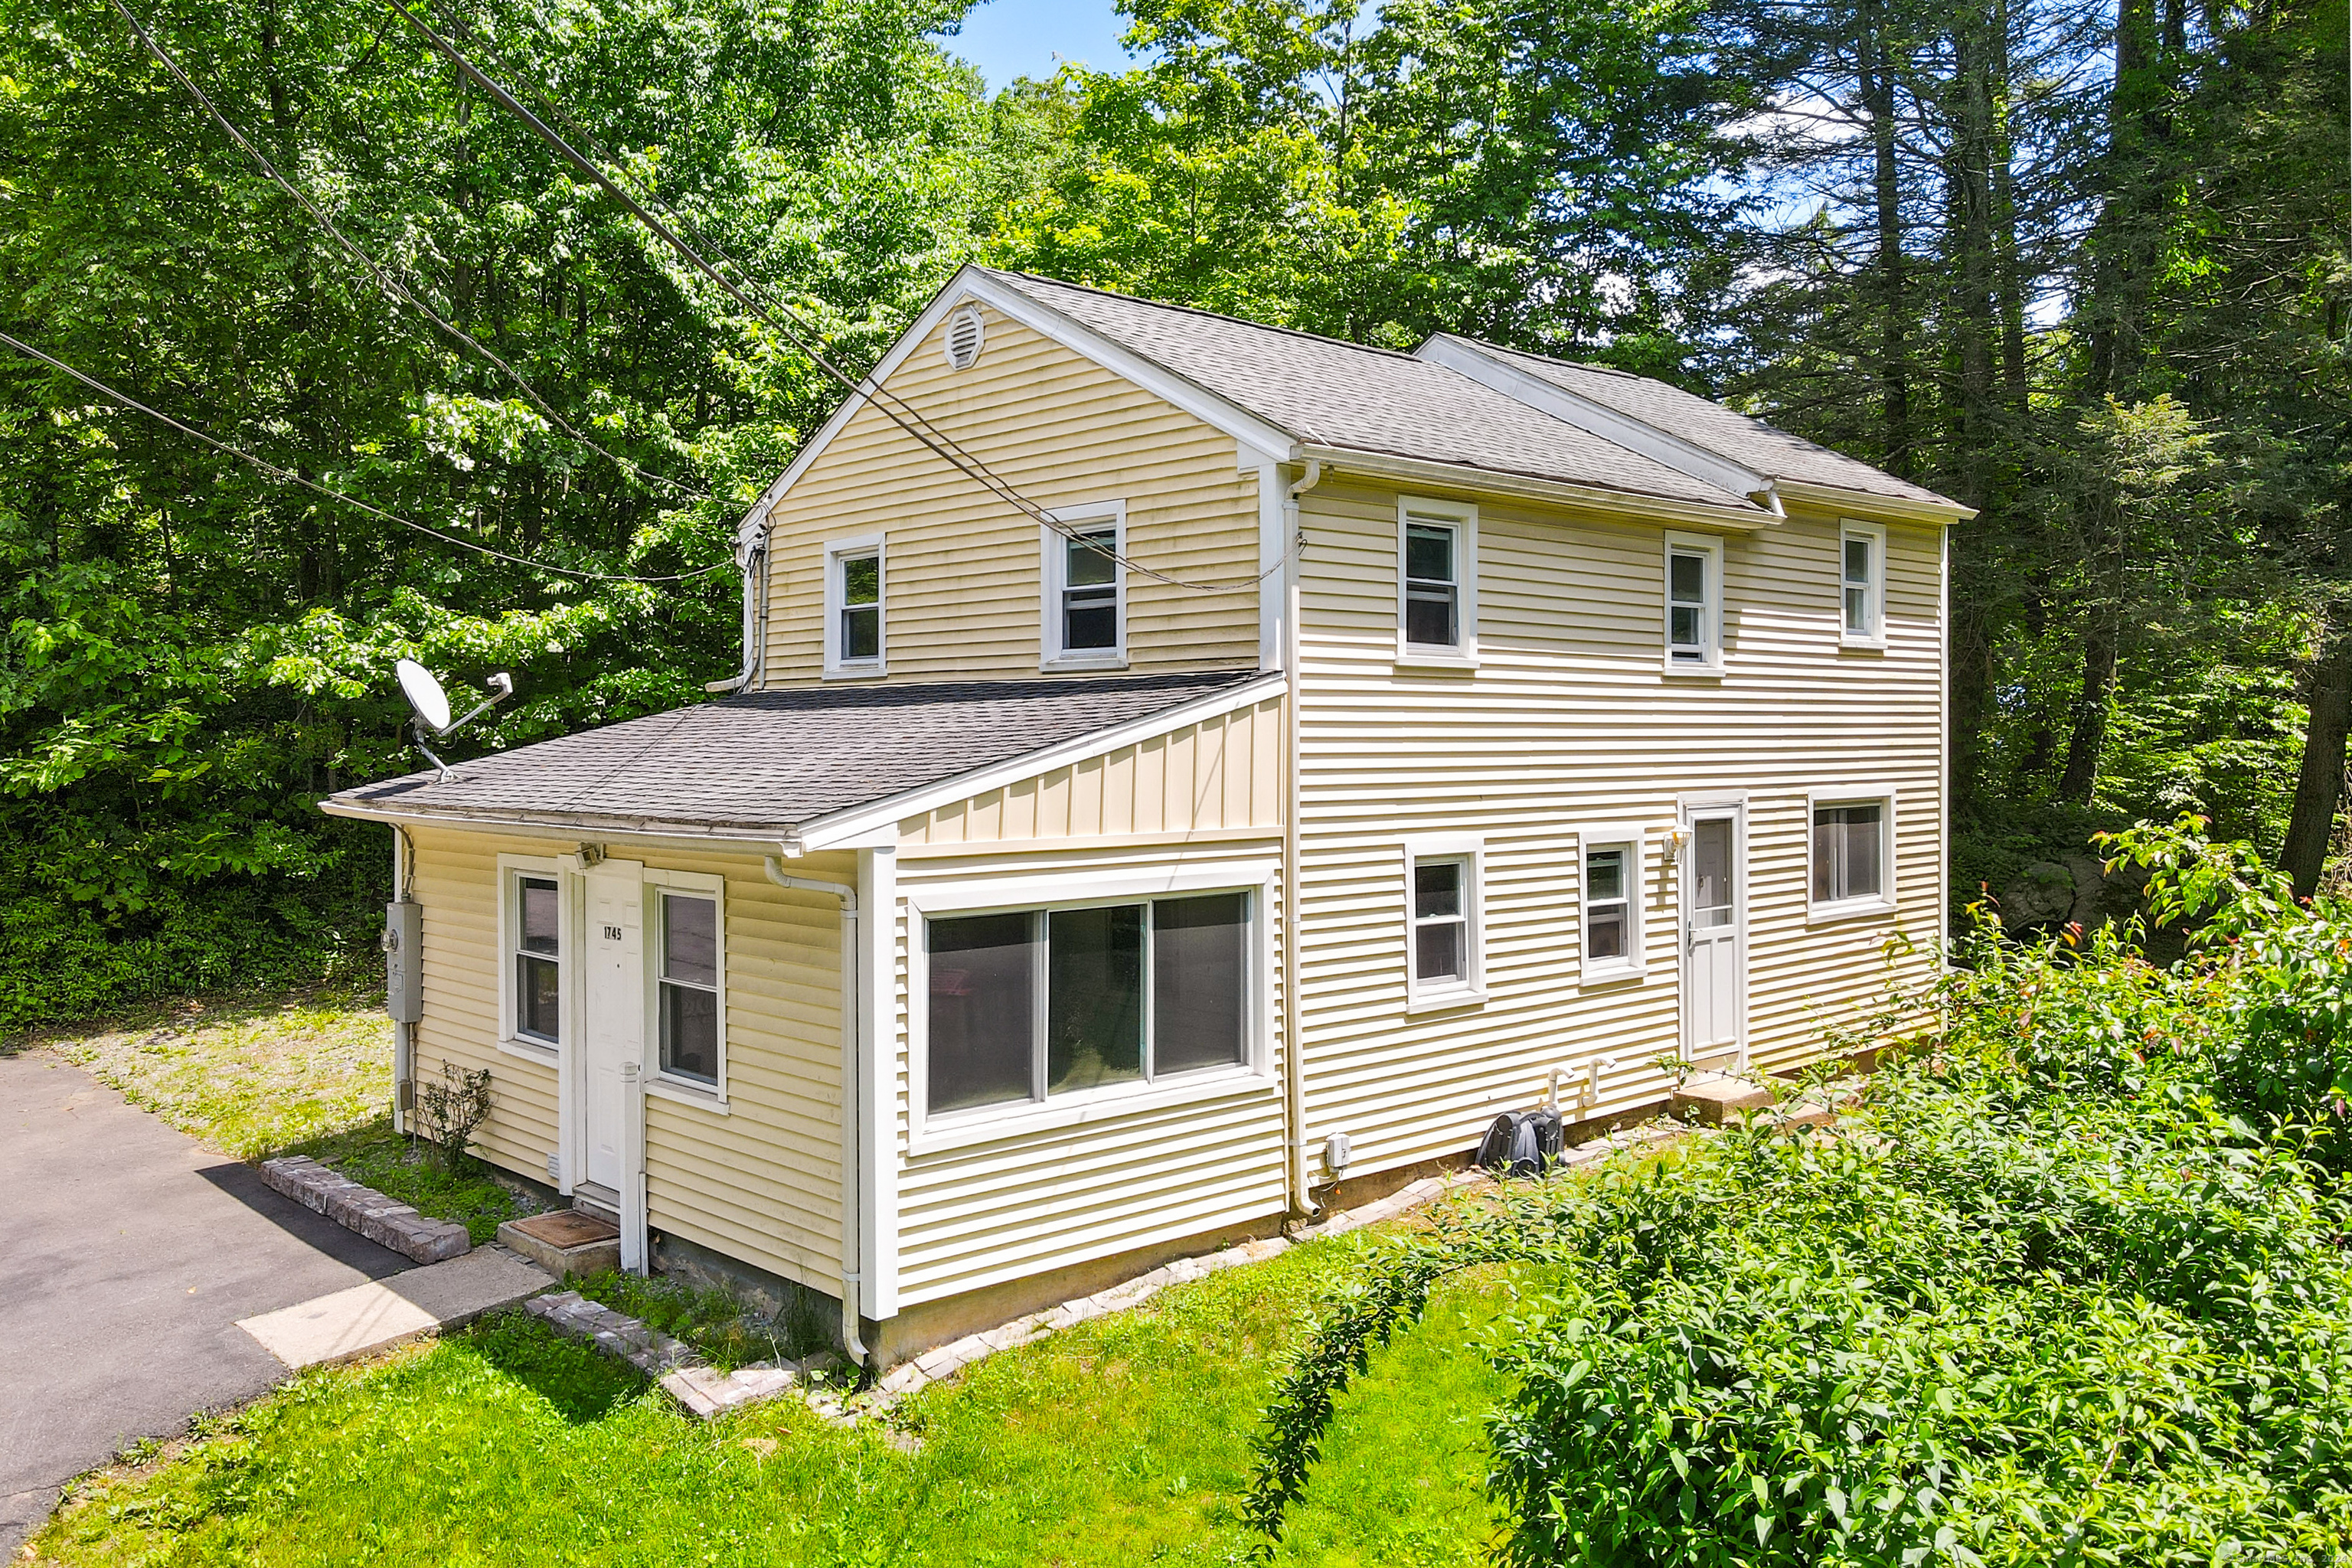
<point>127,1253</point>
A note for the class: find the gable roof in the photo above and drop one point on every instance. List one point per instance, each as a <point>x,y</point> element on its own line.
<point>1702,422</point>
<point>1329,393</point>
<point>766,765</point>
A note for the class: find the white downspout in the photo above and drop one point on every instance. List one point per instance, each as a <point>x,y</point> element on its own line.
<point>404,1035</point>
<point>755,619</point>
<point>1294,1058</point>
<point>851,1282</point>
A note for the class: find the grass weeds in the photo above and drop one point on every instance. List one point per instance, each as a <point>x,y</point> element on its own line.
<point>1122,1441</point>
<point>726,1332</point>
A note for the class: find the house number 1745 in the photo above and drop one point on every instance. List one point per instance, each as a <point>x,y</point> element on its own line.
<point>612,933</point>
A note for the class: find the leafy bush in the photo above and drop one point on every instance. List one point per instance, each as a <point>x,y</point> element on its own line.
<point>2077,1288</point>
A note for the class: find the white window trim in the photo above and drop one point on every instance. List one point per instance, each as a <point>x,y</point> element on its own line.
<point>1822,913</point>
<point>1470,990</point>
<point>512,868</point>
<point>836,667</point>
<point>669,1086</point>
<point>931,1132</point>
<point>1875,637</point>
<point>1711,617</point>
<point>1054,560</point>
<point>1635,964</point>
<point>1464,653</point>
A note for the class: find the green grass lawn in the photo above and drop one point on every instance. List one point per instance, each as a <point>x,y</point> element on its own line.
<point>309,1074</point>
<point>1122,1441</point>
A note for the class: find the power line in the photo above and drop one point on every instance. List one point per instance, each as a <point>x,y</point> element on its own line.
<point>905,416</point>
<point>384,281</point>
<point>288,475</point>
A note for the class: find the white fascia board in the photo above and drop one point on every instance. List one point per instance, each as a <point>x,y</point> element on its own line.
<point>863,823</point>
<point>1875,508</point>
<point>1246,427</point>
<point>1744,518</point>
<point>649,834</point>
<point>1663,447</point>
<point>973,283</point>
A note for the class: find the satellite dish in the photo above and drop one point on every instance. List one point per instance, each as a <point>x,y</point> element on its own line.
<point>424,694</point>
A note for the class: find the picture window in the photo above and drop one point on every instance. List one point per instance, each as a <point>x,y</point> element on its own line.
<point>1039,1004</point>
<point>1850,848</point>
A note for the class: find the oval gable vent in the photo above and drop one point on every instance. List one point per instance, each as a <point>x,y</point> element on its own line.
<point>967,333</point>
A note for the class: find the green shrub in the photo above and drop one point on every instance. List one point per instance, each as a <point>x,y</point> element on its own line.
<point>2078,1291</point>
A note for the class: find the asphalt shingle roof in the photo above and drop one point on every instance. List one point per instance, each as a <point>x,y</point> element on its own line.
<point>1338,394</point>
<point>765,762</point>
<point>1768,450</point>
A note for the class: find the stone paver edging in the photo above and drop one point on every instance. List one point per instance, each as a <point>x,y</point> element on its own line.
<point>705,1392</point>
<point>381,1219</point>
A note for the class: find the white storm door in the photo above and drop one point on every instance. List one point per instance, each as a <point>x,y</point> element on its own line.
<point>1714,936</point>
<point>614,1015</point>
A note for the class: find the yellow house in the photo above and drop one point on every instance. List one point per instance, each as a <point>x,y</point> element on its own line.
<point>1179,764</point>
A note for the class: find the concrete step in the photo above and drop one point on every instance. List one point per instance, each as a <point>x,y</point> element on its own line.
<point>566,1243</point>
<point>1717,1100</point>
<point>383,1313</point>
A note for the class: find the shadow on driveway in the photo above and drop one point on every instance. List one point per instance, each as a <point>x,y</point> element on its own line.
<point>131,1251</point>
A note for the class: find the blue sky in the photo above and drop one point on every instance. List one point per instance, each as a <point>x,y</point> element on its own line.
<point>1007,39</point>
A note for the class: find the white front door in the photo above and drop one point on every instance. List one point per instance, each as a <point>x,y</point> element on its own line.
<point>1714,936</point>
<point>614,1015</point>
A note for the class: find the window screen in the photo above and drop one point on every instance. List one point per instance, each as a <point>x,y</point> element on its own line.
<point>1441,922</point>
<point>1432,585</point>
<point>1090,591</point>
<point>861,606</point>
<point>1608,913</point>
<point>1200,982</point>
<point>982,1009</point>
<point>538,977</point>
<point>689,987</point>
<point>1849,849</point>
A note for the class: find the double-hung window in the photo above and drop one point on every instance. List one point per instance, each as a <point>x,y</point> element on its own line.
<point>1437,600</point>
<point>853,606</point>
<point>1862,584</point>
<point>1443,921</point>
<point>1693,604</point>
<point>1852,853</point>
<point>536,959</point>
<point>1034,1005</point>
<point>1613,902</point>
<point>1084,606</point>
<point>687,976</point>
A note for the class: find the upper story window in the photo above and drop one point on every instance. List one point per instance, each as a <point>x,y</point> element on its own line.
<point>1032,1004</point>
<point>1437,562</point>
<point>1085,608</point>
<point>1693,604</point>
<point>1862,581</point>
<point>853,605</point>
<point>538,960</point>
<point>688,977</point>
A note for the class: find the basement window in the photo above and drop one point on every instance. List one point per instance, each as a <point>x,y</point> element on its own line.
<point>1040,1004</point>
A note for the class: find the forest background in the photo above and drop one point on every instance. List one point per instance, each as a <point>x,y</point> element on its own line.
<point>2082,264</point>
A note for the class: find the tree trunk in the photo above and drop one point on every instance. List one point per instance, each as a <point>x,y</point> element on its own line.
<point>2091,709</point>
<point>1877,83</point>
<point>2319,784</point>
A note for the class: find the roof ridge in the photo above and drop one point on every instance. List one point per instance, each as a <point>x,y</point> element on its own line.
<point>1567,363</point>
<point>1197,310</point>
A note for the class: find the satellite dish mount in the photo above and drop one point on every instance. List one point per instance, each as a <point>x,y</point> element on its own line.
<point>430,705</point>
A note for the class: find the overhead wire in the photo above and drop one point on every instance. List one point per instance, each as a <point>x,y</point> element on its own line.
<point>290,477</point>
<point>791,326</point>
<point>383,279</point>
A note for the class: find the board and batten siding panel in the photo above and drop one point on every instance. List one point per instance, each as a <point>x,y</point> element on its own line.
<point>1570,722</point>
<point>762,1180</point>
<point>1204,796</point>
<point>456,880</point>
<point>1221,775</point>
<point>961,568</point>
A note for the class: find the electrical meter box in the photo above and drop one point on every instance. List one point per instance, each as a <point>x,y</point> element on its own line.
<point>403,961</point>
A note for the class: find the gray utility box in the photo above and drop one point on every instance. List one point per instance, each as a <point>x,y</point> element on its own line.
<point>403,961</point>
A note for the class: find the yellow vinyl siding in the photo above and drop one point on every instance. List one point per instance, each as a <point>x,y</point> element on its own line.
<point>961,578</point>
<point>1030,1202</point>
<point>1221,775</point>
<point>761,1183</point>
<point>456,880</point>
<point>1569,722</point>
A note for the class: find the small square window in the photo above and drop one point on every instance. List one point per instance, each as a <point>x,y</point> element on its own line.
<point>1850,846</point>
<point>689,980</point>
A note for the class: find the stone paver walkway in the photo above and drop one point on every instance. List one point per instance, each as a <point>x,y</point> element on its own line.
<point>127,1253</point>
